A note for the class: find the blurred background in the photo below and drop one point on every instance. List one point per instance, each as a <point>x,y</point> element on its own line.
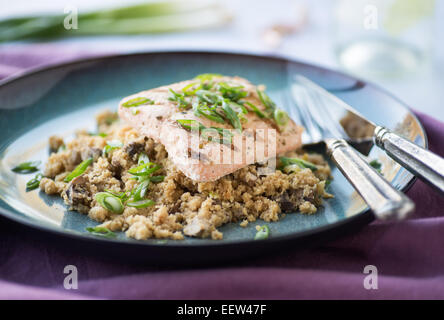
<point>397,44</point>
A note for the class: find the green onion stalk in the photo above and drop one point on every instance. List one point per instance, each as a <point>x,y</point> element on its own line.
<point>143,18</point>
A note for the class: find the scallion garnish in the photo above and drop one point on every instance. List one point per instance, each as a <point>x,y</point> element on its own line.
<point>376,165</point>
<point>327,184</point>
<point>208,76</point>
<point>209,96</point>
<point>98,134</point>
<point>255,110</point>
<point>285,161</point>
<point>121,195</point>
<point>281,117</point>
<point>141,190</point>
<point>144,169</point>
<point>263,233</point>
<point>27,167</point>
<point>232,116</point>
<point>157,178</point>
<point>143,158</point>
<point>135,102</point>
<point>188,90</point>
<point>183,103</point>
<point>266,101</point>
<point>141,204</point>
<point>233,93</point>
<point>208,112</point>
<point>109,202</point>
<point>101,231</point>
<point>79,170</point>
<point>34,183</point>
<point>190,124</point>
<point>112,145</point>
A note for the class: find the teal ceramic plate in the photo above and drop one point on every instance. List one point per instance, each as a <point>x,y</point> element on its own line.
<point>64,98</point>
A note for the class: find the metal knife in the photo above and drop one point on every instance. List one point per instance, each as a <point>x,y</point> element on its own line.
<point>419,161</point>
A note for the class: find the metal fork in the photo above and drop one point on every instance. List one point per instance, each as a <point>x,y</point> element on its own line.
<point>308,109</point>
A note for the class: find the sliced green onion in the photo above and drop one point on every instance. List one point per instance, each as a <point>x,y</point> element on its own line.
<point>137,102</point>
<point>266,101</point>
<point>143,158</point>
<point>80,169</point>
<point>285,161</point>
<point>180,99</point>
<point>144,169</point>
<point>255,110</point>
<point>376,165</point>
<point>327,184</point>
<point>209,96</point>
<point>99,134</point>
<point>263,233</point>
<point>189,124</point>
<point>233,93</point>
<point>223,132</point>
<point>157,178</point>
<point>208,112</point>
<point>208,76</point>
<point>281,117</point>
<point>109,202</point>
<point>232,116</point>
<point>142,18</point>
<point>120,195</point>
<point>141,190</point>
<point>141,204</point>
<point>112,145</point>
<point>34,183</point>
<point>101,231</point>
<point>27,167</point>
<point>187,89</point>
<point>135,112</point>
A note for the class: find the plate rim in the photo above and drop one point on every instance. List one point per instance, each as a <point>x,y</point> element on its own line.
<point>366,215</point>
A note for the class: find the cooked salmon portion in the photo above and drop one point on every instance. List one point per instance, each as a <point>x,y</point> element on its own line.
<point>213,125</point>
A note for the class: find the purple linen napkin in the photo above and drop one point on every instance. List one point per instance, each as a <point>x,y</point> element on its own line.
<point>408,255</point>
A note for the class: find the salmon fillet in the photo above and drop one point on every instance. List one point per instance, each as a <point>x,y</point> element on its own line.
<point>155,114</point>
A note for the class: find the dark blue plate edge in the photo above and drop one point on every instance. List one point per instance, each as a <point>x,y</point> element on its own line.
<point>359,219</point>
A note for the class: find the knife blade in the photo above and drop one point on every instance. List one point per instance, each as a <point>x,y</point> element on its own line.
<point>419,161</point>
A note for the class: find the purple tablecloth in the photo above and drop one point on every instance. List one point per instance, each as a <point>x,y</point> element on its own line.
<point>409,255</point>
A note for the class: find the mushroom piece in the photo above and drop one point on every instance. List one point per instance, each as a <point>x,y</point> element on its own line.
<point>77,195</point>
<point>133,149</point>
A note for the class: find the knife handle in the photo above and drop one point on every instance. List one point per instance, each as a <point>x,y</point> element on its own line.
<point>385,201</point>
<point>421,162</point>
